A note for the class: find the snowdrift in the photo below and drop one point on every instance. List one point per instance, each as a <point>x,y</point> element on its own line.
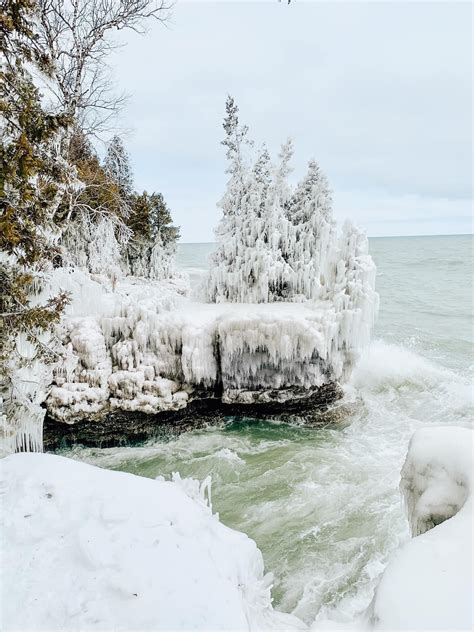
<point>91,549</point>
<point>428,583</point>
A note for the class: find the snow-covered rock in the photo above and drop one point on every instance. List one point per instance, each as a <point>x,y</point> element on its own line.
<point>91,549</point>
<point>428,584</point>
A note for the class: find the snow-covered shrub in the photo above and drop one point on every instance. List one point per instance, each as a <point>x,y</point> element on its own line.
<point>95,246</point>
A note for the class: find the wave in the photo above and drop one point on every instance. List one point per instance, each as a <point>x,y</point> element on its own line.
<point>402,383</point>
<point>387,365</point>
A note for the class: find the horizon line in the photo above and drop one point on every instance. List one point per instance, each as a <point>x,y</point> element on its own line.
<point>369,237</point>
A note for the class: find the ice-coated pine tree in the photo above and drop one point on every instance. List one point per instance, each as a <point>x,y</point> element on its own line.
<point>312,195</point>
<point>262,173</point>
<point>117,166</point>
<point>229,277</point>
<point>310,231</point>
<point>248,265</point>
<point>275,229</point>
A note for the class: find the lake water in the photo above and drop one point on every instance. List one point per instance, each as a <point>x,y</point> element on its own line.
<point>323,504</point>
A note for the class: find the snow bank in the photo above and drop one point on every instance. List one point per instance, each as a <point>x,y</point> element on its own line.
<point>91,549</point>
<point>428,584</point>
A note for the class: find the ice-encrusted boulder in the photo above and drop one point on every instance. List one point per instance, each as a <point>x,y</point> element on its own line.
<point>428,583</point>
<point>90,549</point>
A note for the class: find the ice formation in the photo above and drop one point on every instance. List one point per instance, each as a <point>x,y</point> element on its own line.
<point>428,583</point>
<point>25,387</point>
<point>150,349</point>
<point>92,549</point>
<point>132,344</point>
<point>107,248</point>
<point>290,303</point>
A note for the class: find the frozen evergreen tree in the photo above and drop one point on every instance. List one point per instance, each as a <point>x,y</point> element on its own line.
<point>310,232</point>
<point>151,250</point>
<point>274,225</point>
<point>117,166</point>
<point>312,197</point>
<point>248,265</point>
<point>161,222</point>
<point>32,177</point>
<point>277,197</point>
<point>262,174</point>
<point>275,243</point>
<point>226,269</point>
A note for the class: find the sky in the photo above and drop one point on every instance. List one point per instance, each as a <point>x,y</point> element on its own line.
<point>380,93</point>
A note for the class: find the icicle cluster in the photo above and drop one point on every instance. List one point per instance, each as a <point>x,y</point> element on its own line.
<point>148,349</point>
<point>112,348</point>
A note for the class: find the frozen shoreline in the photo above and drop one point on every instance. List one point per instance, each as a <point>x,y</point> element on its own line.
<point>91,548</point>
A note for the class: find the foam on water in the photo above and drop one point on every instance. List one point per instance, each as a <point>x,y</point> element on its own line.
<point>323,504</point>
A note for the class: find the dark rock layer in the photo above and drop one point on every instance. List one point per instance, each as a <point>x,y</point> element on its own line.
<point>123,428</point>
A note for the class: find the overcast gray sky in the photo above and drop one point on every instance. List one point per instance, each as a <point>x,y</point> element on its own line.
<point>378,92</point>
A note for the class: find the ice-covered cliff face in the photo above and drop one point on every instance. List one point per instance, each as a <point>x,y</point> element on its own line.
<point>146,347</point>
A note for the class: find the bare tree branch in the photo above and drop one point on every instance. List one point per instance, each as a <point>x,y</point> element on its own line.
<point>78,37</point>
